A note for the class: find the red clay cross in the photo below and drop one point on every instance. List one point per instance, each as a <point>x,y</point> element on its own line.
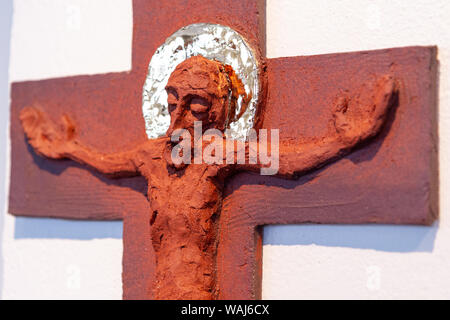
<point>393,179</point>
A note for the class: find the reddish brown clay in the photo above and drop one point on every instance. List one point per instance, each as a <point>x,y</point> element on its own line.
<point>392,180</point>
<point>184,227</point>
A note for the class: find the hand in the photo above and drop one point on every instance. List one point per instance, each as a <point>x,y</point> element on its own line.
<point>357,119</point>
<point>46,137</point>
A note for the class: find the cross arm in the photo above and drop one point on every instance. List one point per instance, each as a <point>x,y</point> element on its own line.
<point>355,120</point>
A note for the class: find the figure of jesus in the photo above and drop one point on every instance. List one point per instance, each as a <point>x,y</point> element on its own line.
<point>185,199</point>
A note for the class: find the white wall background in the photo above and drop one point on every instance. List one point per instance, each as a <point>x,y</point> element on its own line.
<point>46,258</point>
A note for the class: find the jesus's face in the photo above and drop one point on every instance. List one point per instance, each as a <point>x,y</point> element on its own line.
<point>198,90</point>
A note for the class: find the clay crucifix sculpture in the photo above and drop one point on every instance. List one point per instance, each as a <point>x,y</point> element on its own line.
<point>391,180</point>
<point>186,199</point>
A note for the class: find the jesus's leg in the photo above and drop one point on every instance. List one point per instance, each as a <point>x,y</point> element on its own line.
<point>184,239</point>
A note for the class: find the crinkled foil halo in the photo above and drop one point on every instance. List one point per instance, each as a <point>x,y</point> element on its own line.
<point>212,41</point>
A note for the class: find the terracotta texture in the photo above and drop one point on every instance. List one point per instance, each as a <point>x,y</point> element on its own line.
<point>184,227</point>
<point>63,189</point>
<point>391,180</point>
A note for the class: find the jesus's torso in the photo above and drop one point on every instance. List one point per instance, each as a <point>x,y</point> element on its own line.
<point>184,210</point>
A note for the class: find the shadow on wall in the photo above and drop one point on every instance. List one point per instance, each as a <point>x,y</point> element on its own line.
<point>42,228</point>
<point>389,238</point>
<point>6,8</point>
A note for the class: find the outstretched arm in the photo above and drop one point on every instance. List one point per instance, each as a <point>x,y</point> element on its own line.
<point>355,120</point>
<point>60,142</point>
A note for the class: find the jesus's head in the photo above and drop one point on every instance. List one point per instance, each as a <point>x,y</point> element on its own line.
<point>203,90</point>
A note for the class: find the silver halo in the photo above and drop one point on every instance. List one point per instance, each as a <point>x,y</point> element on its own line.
<point>214,42</point>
